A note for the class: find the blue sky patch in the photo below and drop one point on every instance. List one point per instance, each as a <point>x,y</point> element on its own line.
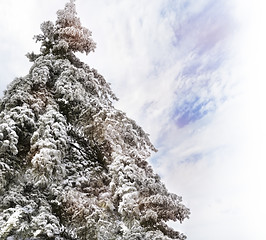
<point>191,111</point>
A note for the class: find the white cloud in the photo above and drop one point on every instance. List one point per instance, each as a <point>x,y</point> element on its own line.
<point>225,187</point>
<point>211,183</point>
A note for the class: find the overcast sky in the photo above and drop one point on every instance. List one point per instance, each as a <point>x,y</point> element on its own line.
<point>191,73</point>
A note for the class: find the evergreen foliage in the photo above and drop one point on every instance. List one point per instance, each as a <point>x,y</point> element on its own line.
<point>71,165</point>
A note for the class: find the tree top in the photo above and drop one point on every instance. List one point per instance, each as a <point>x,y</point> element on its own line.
<point>67,35</point>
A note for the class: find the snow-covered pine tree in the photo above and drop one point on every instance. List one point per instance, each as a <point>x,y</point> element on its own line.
<point>71,165</point>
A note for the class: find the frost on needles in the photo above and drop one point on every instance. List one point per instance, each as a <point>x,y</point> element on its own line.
<point>71,165</point>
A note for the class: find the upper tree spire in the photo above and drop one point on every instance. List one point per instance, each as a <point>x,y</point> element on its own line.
<point>67,35</point>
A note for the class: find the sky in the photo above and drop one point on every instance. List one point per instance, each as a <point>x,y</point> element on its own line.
<point>191,74</point>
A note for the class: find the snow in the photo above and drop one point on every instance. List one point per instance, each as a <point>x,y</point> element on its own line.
<point>70,162</point>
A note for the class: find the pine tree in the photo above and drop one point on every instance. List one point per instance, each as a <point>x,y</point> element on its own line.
<point>71,165</point>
